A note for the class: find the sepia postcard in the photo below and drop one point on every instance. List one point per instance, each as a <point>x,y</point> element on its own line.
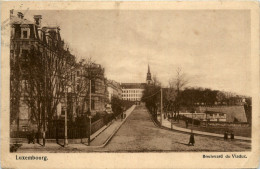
<point>130,84</point>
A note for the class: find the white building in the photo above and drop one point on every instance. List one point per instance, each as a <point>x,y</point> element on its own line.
<point>132,91</point>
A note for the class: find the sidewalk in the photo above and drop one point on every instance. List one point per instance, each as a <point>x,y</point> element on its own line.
<point>107,134</point>
<point>98,140</point>
<point>167,124</point>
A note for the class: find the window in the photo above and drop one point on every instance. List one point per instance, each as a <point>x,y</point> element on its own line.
<point>25,34</point>
<point>12,31</point>
<point>92,104</point>
<point>63,111</point>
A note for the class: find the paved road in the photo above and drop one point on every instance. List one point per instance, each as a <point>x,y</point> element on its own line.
<point>139,133</point>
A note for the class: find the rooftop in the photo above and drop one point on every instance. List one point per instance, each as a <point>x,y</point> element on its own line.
<point>133,85</point>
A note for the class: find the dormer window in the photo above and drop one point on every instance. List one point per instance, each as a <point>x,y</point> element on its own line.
<point>12,32</point>
<point>25,32</point>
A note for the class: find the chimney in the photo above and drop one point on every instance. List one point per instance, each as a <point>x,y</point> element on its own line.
<point>37,20</point>
<point>11,13</point>
<point>20,15</point>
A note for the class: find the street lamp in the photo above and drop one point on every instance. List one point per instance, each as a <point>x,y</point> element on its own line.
<point>89,112</point>
<point>66,119</point>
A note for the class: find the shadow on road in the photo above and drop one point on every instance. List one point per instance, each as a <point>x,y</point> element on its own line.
<point>186,144</point>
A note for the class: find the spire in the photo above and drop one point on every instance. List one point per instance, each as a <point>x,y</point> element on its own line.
<point>149,76</point>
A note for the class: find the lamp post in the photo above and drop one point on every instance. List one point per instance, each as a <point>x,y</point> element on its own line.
<point>192,123</point>
<point>89,115</point>
<point>66,120</point>
<point>171,118</point>
<point>161,106</point>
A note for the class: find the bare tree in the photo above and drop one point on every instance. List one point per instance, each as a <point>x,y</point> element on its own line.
<point>15,82</point>
<point>46,79</point>
<point>176,85</point>
<point>90,74</point>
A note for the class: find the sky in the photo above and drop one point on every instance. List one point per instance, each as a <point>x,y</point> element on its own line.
<point>212,47</point>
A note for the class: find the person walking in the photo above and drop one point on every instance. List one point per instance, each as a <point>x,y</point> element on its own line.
<point>31,137</point>
<point>232,136</point>
<point>192,139</point>
<point>187,123</point>
<point>225,135</point>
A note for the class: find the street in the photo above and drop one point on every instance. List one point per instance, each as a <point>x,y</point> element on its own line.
<point>140,134</point>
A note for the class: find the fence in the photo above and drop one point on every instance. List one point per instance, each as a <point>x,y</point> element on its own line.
<point>75,130</point>
<point>225,124</point>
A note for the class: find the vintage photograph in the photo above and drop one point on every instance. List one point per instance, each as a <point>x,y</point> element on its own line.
<point>130,81</point>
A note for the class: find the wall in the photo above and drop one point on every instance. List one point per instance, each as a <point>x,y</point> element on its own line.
<point>232,112</point>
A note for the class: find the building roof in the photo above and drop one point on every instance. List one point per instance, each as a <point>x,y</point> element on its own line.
<point>133,85</point>
<point>16,20</point>
<point>113,84</point>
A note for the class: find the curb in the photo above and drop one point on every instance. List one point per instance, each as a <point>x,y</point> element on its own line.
<point>186,132</point>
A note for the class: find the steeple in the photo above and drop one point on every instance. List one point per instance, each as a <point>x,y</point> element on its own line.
<point>149,76</point>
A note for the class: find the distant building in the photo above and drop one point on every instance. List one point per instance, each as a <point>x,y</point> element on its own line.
<point>215,116</point>
<point>134,91</point>
<point>114,89</point>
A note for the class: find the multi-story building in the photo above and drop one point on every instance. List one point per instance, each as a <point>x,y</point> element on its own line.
<point>84,78</point>
<point>114,90</point>
<point>45,79</point>
<point>134,91</point>
<point>37,56</point>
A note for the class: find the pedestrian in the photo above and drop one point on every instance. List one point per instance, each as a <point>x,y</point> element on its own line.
<point>192,139</point>
<point>31,137</point>
<point>232,136</point>
<point>225,135</point>
<point>187,123</point>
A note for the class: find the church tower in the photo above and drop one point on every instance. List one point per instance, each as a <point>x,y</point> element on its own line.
<point>149,76</point>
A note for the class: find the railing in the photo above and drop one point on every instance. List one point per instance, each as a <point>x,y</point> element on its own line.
<point>55,129</point>
<point>225,124</point>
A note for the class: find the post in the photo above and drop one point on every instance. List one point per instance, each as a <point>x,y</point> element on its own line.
<point>89,112</point>
<point>161,107</point>
<point>89,130</point>
<point>192,124</point>
<point>90,96</point>
<point>171,120</point>
<point>66,125</point>
<point>45,101</point>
